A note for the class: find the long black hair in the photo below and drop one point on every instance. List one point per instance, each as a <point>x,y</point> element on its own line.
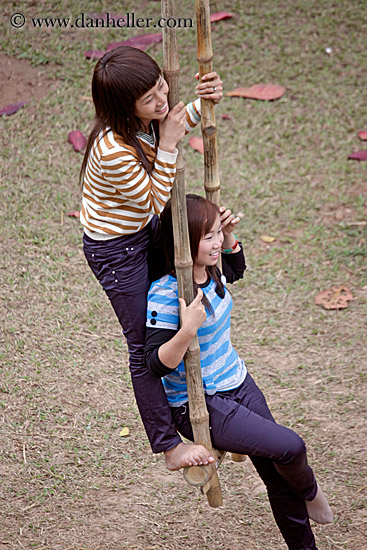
<point>120,78</point>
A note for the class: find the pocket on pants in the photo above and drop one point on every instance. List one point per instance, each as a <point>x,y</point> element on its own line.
<point>124,271</point>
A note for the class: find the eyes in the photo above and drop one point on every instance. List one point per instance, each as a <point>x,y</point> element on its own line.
<point>149,98</point>
<point>212,234</point>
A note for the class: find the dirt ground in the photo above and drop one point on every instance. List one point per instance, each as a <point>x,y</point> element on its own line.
<point>71,482</point>
<point>19,81</point>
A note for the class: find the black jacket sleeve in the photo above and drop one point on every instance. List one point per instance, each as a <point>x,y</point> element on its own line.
<point>233,265</point>
<point>154,338</point>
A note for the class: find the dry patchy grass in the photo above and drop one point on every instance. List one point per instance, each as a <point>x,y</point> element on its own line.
<point>68,479</point>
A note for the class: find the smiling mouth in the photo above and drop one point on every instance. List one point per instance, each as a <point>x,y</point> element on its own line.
<point>163,108</point>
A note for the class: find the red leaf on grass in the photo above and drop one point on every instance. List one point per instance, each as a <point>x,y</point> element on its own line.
<point>265,92</point>
<point>226,117</point>
<point>77,140</point>
<point>237,92</point>
<point>113,45</point>
<point>358,155</point>
<point>219,16</point>
<point>94,54</point>
<point>12,108</point>
<point>362,135</point>
<point>74,214</point>
<point>197,144</point>
<point>335,297</point>
<point>141,41</point>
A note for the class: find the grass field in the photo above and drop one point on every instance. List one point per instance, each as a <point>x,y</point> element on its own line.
<point>69,481</point>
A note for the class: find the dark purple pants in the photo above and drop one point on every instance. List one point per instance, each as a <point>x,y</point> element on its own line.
<point>121,266</point>
<point>240,422</point>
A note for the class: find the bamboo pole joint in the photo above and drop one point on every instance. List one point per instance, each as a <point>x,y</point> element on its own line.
<point>209,131</point>
<point>212,189</point>
<point>205,59</point>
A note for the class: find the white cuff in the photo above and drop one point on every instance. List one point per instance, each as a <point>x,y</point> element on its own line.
<point>165,156</point>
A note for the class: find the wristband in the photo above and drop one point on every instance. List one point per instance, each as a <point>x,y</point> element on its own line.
<point>230,250</point>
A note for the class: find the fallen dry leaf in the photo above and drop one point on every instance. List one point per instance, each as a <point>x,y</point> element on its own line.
<point>336,297</point>
<point>74,214</point>
<point>77,140</point>
<point>197,144</point>
<point>141,41</point>
<point>94,54</point>
<point>268,238</point>
<point>124,432</point>
<point>362,135</point>
<point>358,155</point>
<point>219,16</point>
<point>226,117</point>
<point>264,92</point>
<point>12,108</point>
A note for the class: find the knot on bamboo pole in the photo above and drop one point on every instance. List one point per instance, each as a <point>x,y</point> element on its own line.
<point>212,189</point>
<point>205,59</point>
<point>209,131</point>
<point>172,74</point>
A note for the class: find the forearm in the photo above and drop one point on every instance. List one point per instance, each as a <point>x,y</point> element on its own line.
<point>172,352</point>
<point>229,242</point>
<point>167,146</point>
<point>233,265</point>
<point>167,142</point>
<point>193,115</point>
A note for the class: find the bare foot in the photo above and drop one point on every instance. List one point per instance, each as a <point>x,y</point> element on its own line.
<point>187,454</point>
<point>318,509</point>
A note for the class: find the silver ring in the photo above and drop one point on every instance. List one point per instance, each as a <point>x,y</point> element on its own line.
<point>214,88</point>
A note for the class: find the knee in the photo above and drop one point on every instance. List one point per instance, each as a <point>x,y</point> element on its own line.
<point>296,448</point>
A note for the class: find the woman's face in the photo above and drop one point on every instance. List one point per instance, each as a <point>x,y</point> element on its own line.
<point>153,104</point>
<point>210,245</point>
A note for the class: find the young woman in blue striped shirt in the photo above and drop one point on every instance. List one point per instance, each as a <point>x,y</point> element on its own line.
<point>239,417</point>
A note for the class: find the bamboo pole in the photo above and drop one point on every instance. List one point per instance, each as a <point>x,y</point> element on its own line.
<point>198,412</point>
<point>208,122</point>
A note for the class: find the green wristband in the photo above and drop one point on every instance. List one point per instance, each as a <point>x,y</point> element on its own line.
<point>230,250</point>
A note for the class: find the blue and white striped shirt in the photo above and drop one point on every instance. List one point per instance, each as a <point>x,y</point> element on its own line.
<point>221,367</point>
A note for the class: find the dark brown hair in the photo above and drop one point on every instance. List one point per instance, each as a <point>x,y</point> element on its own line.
<point>120,78</point>
<point>201,216</point>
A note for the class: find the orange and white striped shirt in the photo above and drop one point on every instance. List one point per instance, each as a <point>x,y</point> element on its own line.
<point>119,196</point>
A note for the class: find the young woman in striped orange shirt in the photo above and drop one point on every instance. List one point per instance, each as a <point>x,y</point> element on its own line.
<point>128,172</point>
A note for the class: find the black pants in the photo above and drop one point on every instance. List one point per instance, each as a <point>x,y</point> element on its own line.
<point>121,266</point>
<point>241,422</point>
